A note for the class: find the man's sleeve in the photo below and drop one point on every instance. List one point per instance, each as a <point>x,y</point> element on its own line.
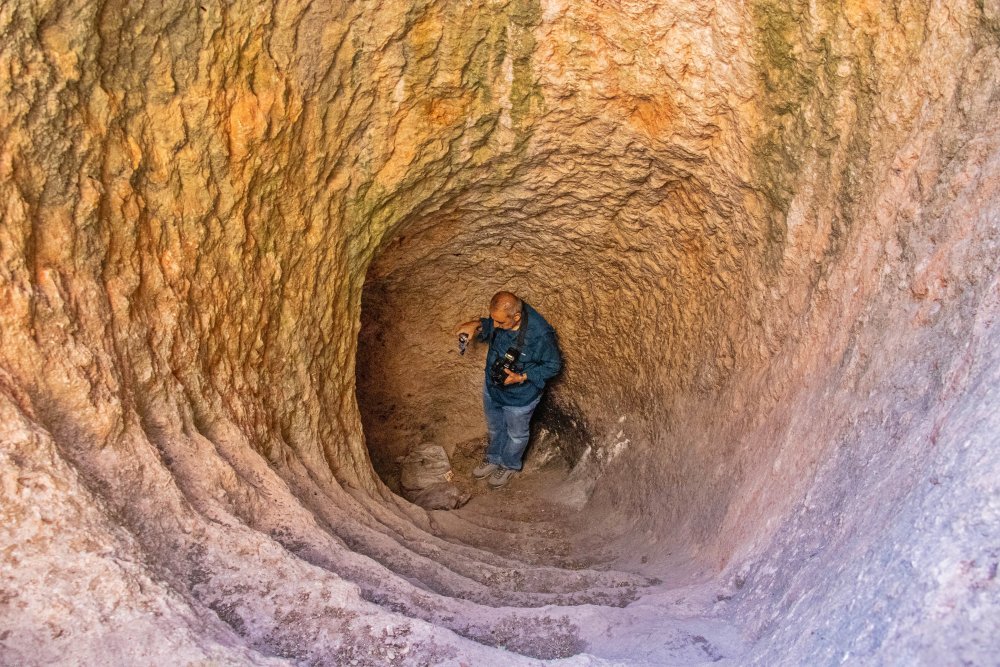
<point>548,364</point>
<point>486,328</point>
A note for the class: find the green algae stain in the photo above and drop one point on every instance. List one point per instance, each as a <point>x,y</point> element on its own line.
<point>787,80</point>
<point>525,13</point>
<point>855,172</point>
<point>477,42</point>
<point>521,18</point>
<point>461,62</point>
<point>989,20</point>
<point>524,90</point>
<point>810,70</point>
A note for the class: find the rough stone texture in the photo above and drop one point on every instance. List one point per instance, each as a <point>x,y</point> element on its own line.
<point>767,234</point>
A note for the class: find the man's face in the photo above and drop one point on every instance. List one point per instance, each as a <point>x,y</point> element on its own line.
<point>502,320</point>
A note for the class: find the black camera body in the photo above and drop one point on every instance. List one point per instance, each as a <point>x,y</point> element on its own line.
<point>508,361</point>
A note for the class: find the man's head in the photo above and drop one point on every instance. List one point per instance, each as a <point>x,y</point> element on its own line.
<point>505,310</point>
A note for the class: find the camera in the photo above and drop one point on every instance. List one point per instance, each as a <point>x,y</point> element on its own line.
<point>508,360</point>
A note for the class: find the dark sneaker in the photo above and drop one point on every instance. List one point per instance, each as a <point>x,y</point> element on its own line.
<point>500,477</point>
<point>484,469</point>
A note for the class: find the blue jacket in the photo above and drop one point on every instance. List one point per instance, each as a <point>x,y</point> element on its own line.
<point>539,359</point>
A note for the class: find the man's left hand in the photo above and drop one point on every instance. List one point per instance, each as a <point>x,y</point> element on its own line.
<point>514,378</point>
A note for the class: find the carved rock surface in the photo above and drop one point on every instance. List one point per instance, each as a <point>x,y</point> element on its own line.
<point>235,239</point>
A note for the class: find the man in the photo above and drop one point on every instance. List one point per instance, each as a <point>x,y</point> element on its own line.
<point>512,391</point>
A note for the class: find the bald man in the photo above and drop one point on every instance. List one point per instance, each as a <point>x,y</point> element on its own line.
<point>522,357</point>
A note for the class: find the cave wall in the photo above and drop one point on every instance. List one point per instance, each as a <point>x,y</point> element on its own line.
<point>876,231</point>
<point>253,155</point>
<point>191,195</point>
<point>855,497</point>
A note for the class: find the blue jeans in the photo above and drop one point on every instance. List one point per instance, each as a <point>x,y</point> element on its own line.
<point>509,430</point>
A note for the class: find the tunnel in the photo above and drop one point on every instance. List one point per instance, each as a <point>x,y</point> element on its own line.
<point>237,238</point>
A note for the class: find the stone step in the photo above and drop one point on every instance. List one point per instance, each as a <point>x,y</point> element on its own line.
<point>490,585</point>
<point>377,531</point>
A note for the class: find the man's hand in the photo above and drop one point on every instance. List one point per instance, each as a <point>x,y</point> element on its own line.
<point>514,378</point>
<point>471,328</point>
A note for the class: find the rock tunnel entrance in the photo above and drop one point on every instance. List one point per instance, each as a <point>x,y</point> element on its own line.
<point>414,387</point>
<point>767,234</point>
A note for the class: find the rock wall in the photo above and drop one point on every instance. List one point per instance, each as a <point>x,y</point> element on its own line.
<point>766,234</point>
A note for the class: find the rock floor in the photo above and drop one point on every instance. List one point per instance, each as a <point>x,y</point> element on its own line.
<point>579,605</point>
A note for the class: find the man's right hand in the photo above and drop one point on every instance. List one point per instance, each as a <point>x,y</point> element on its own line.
<point>471,328</point>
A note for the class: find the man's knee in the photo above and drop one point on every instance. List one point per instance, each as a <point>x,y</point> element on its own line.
<point>519,423</point>
<point>518,437</point>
